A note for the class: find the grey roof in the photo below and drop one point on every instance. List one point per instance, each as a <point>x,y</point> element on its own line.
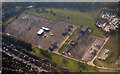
<point>84,28</point>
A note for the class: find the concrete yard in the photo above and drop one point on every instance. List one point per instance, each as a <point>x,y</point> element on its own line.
<point>26,27</point>
<point>84,47</point>
<point>93,49</point>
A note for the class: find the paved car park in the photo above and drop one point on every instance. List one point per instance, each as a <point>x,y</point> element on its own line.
<point>26,27</point>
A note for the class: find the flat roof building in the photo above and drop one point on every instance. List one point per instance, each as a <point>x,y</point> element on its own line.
<point>40,32</point>
<point>84,28</point>
<point>46,29</point>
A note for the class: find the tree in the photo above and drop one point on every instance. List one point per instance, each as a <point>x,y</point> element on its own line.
<point>46,54</point>
<point>17,42</point>
<point>69,17</point>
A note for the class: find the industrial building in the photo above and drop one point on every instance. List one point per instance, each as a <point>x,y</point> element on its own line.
<point>41,31</point>
<point>85,30</point>
<point>45,29</point>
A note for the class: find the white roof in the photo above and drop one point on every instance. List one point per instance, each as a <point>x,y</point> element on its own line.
<point>31,6</point>
<point>40,31</point>
<point>104,24</point>
<point>45,28</point>
<point>103,16</point>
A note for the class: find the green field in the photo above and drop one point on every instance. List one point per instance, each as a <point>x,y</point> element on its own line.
<point>76,17</point>
<point>72,65</point>
<point>9,21</point>
<point>103,70</point>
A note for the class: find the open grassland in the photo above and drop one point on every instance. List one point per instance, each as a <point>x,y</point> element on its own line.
<point>103,70</point>
<point>109,62</point>
<point>72,65</point>
<point>112,43</point>
<point>76,17</point>
<point>9,21</point>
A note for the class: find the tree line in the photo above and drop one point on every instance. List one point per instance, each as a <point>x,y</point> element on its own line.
<point>8,39</point>
<point>11,9</point>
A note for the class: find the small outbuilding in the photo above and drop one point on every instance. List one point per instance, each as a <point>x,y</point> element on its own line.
<point>46,29</point>
<point>53,46</point>
<point>84,29</point>
<point>40,32</point>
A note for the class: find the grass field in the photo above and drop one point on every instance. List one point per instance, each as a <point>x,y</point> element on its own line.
<point>112,45</point>
<point>72,65</point>
<point>103,70</point>
<point>76,17</point>
<point>9,21</point>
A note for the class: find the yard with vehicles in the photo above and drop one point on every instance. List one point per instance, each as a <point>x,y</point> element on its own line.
<point>41,32</point>
<point>83,46</point>
<point>112,46</point>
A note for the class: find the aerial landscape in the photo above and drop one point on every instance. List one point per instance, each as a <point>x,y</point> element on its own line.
<point>60,37</point>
